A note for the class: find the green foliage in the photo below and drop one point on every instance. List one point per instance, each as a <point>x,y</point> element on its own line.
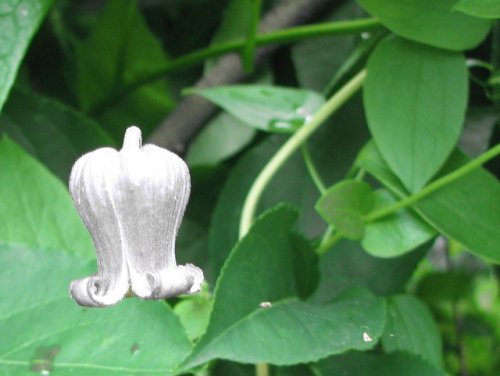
<point>425,89</point>
<point>109,61</point>
<point>339,233</point>
<point>479,8</point>
<point>475,196</point>
<point>51,131</point>
<point>222,138</point>
<point>431,22</point>
<point>39,211</point>
<point>411,328</point>
<point>19,21</point>
<point>343,206</point>
<point>397,234</point>
<point>46,246</point>
<point>398,363</point>
<point>272,109</point>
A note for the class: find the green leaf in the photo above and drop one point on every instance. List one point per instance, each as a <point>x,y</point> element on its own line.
<point>43,330</point>
<point>348,265</point>
<point>268,108</point>
<point>19,21</point>
<point>292,332</point>
<point>292,183</point>
<point>362,364</point>
<point>43,246</point>
<point>258,319</point>
<point>396,234</point>
<point>439,287</point>
<point>370,160</point>
<point>220,139</point>
<point>226,216</point>
<point>343,206</point>
<point>411,328</point>
<point>430,22</point>
<point>479,8</point>
<point>108,62</point>
<point>415,99</point>
<point>315,73</point>
<point>35,208</point>
<point>52,132</point>
<point>234,24</point>
<point>194,312</point>
<point>466,210</point>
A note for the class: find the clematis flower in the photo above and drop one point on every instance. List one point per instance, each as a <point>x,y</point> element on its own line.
<point>132,202</point>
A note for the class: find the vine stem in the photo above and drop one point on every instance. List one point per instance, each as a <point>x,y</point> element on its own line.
<point>281,36</point>
<point>293,143</point>
<point>409,200</point>
<point>435,185</point>
<point>248,54</point>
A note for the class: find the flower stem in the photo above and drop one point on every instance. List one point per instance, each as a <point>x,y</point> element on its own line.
<point>293,143</point>
<point>435,185</point>
<point>281,36</point>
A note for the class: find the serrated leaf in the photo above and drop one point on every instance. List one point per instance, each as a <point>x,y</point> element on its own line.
<point>415,99</point>
<point>466,210</point>
<point>343,206</point>
<point>44,331</point>
<point>396,234</point>
<point>430,22</point>
<point>479,8</point>
<point>35,207</point>
<point>411,328</point>
<point>292,332</point>
<point>19,21</point>
<point>256,328</point>
<point>52,132</point>
<point>363,364</point>
<point>268,108</point>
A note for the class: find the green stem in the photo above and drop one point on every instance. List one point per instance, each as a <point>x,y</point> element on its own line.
<point>435,185</point>
<point>262,369</point>
<point>293,143</point>
<point>327,243</point>
<point>280,36</point>
<point>329,28</point>
<point>250,44</point>
<point>313,172</point>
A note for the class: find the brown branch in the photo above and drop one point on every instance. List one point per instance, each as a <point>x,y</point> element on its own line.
<point>181,125</point>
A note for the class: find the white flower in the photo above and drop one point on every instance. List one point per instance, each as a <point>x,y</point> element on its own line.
<point>132,202</point>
